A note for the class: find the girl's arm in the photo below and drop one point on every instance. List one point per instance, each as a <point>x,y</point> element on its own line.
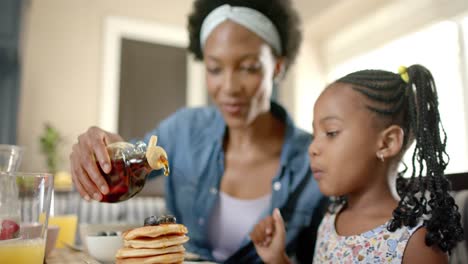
<point>418,252</point>
<point>269,237</point>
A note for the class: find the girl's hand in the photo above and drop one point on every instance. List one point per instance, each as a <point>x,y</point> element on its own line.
<point>269,237</point>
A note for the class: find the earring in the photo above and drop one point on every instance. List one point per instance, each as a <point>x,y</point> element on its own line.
<point>380,156</point>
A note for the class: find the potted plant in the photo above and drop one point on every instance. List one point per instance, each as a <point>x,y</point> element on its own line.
<point>50,141</point>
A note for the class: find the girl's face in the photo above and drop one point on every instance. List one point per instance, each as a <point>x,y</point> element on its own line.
<point>343,151</point>
<point>240,68</point>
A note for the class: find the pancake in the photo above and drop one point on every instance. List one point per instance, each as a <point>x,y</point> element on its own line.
<point>159,242</point>
<point>155,231</point>
<point>167,258</point>
<point>147,252</point>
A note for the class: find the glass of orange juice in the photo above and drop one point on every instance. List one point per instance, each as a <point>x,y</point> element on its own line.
<point>24,197</point>
<point>67,224</point>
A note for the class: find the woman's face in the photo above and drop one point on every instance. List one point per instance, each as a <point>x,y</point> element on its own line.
<point>343,151</point>
<point>240,68</point>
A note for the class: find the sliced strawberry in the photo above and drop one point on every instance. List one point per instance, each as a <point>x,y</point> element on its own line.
<point>9,229</point>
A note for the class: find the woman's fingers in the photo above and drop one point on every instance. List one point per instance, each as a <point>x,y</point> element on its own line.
<point>98,141</point>
<point>75,172</point>
<point>90,167</point>
<point>81,179</point>
<point>89,154</point>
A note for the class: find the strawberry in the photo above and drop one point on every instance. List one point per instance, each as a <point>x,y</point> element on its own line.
<point>9,229</point>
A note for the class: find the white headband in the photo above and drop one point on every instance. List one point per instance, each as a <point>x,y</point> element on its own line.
<point>247,17</point>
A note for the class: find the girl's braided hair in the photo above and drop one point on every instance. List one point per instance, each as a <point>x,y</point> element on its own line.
<point>410,101</point>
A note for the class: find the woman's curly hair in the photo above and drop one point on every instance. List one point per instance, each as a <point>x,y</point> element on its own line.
<point>280,12</point>
<point>413,105</point>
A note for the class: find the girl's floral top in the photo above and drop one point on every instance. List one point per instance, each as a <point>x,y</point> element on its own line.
<point>375,246</point>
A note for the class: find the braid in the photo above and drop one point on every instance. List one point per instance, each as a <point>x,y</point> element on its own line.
<point>414,107</point>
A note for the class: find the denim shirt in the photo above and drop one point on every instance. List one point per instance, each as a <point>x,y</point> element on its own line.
<point>193,140</point>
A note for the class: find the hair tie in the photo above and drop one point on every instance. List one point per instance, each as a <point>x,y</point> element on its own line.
<point>403,71</point>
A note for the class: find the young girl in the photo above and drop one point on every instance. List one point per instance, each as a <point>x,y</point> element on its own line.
<point>363,124</point>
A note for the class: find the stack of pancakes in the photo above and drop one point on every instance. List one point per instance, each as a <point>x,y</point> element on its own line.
<point>153,244</point>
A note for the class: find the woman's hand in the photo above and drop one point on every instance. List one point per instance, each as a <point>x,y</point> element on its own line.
<point>91,147</point>
<point>269,237</point>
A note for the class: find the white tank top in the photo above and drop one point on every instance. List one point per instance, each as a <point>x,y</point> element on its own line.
<point>231,222</point>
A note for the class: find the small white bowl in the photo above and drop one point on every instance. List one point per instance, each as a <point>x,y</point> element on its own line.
<point>104,248</point>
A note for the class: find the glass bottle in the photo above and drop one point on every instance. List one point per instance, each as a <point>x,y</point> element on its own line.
<point>131,164</point>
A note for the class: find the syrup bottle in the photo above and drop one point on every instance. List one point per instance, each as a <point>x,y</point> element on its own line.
<point>131,164</point>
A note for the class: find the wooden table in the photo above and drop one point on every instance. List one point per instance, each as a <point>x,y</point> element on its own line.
<point>69,256</point>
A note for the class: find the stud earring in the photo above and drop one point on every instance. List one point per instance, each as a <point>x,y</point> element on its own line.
<point>380,156</point>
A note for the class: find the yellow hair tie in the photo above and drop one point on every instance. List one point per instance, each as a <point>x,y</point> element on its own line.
<point>403,71</point>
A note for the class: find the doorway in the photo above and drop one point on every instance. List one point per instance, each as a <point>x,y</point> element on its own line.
<point>153,80</point>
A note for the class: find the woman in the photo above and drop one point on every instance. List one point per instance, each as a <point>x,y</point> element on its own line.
<point>232,163</point>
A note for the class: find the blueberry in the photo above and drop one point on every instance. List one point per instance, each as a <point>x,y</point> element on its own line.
<point>151,221</point>
<point>171,219</point>
<point>167,219</point>
<point>101,233</point>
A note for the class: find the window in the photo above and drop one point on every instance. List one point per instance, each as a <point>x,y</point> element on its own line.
<point>439,48</point>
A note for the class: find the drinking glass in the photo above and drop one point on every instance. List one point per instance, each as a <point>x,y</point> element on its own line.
<point>10,157</point>
<point>24,200</point>
<point>68,224</point>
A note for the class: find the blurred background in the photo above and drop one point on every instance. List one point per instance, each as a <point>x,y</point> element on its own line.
<point>122,64</point>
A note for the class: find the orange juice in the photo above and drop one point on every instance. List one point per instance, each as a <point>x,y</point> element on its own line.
<point>22,251</point>
<point>67,224</point>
